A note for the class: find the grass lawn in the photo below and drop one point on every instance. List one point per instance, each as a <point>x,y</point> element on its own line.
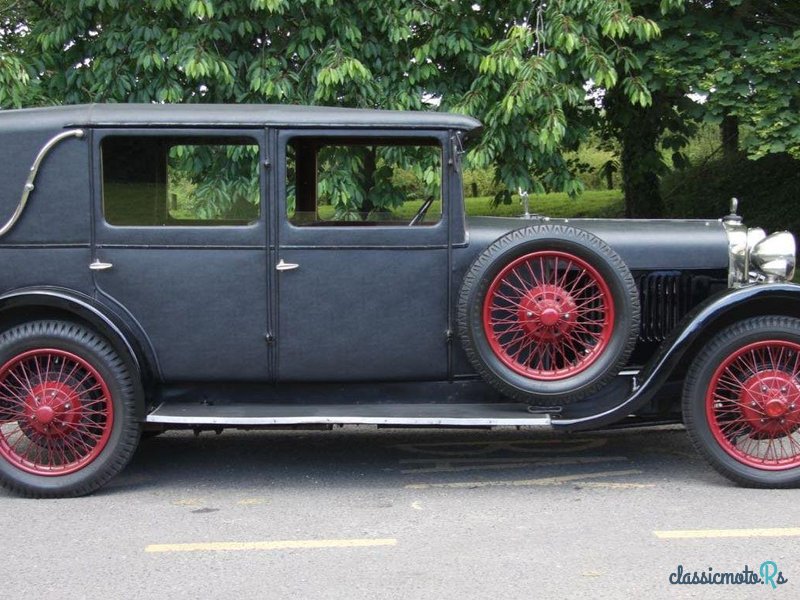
<point>596,203</point>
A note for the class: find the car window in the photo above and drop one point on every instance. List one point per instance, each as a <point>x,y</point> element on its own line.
<point>180,181</point>
<point>363,182</point>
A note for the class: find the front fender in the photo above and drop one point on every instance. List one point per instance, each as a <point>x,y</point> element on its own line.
<point>704,321</point>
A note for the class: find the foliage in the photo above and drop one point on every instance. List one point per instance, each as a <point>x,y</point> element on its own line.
<point>766,187</point>
<point>520,67</point>
<point>541,75</point>
<point>223,180</point>
<point>737,60</point>
<point>742,57</point>
<point>588,204</point>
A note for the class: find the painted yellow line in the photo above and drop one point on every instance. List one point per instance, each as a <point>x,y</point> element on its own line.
<point>727,533</point>
<point>613,485</point>
<point>521,482</point>
<point>485,464</point>
<point>274,545</point>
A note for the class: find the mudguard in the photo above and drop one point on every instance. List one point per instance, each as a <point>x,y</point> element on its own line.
<point>686,339</point>
<point>35,302</point>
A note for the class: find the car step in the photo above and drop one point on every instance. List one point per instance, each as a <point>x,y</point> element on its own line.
<point>251,414</point>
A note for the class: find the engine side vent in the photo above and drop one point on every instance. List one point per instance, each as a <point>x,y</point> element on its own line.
<point>665,296</point>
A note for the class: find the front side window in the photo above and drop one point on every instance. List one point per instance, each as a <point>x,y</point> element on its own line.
<point>363,181</point>
<point>178,181</point>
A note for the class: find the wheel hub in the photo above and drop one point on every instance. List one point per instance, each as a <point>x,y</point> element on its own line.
<point>547,312</point>
<point>52,408</point>
<point>770,402</point>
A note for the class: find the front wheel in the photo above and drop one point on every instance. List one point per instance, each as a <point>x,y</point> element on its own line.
<point>67,410</point>
<point>741,402</point>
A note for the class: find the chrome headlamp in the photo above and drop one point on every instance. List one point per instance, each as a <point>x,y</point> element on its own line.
<point>774,256</point>
<point>755,256</point>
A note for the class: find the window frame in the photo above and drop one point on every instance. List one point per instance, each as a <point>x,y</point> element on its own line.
<point>235,235</point>
<point>435,235</point>
<point>361,142</point>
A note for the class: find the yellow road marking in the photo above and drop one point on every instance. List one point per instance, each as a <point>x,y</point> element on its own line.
<point>728,533</point>
<point>274,545</point>
<point>251,502</point>
<point>484,447</point>
<point>521,482</point>
<point>612,485</point>
<point>188,502</point>
<point>455,465</point>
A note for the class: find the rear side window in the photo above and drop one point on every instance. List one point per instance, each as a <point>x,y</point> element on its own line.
<point>180,181</point>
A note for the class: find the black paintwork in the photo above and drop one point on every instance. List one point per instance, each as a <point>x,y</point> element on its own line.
<point>205,304</point>
<point>711,316</point>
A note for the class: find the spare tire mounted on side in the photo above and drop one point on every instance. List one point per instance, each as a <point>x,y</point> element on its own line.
<point>548,314</point>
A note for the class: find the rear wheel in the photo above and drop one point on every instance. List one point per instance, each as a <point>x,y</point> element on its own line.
<point>741,402</point>
<point>67,410</point>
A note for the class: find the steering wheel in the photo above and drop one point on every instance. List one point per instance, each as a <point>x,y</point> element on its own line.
<point>421,212</point>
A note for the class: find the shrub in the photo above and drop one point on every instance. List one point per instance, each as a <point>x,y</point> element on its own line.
<point>767,190</point>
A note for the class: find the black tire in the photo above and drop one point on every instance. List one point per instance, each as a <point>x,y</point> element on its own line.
<point>120,437</point>
<point>585,247</point>
<point>745,334</point>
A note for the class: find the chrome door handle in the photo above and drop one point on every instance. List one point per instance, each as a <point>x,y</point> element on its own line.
<point>284,266</point>
<point>100,266</point>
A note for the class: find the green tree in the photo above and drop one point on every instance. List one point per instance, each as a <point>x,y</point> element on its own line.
<point>540,74</point>
<point>519,66</point>
<point>735,63</point>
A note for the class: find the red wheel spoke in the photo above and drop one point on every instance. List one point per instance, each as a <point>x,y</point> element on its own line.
<point>753,405</point>
<point>558,321</point>
<point>61,408</point>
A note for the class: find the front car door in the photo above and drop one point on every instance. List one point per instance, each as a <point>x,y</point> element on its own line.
<point>180,225</point>
<point>362,293</point>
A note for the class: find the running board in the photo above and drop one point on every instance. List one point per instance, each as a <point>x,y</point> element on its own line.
<point>251,414</point>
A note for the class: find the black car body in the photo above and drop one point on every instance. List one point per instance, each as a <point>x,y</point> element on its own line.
<point>276,316</point>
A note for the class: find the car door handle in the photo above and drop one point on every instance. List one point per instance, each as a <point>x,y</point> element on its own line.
<point>284,266</point>
<point>97,265</point>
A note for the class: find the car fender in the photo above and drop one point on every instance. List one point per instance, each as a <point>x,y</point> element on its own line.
<point>697,327</point>
<point>132,345</point>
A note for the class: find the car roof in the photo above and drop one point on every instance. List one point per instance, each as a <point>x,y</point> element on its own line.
<point>236,115</point>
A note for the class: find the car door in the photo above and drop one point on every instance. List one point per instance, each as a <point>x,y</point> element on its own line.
<point>361,296</point>
<point>180,245</point>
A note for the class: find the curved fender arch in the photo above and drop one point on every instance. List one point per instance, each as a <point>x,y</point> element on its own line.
<point>700,324</point>
<point>128,340</point>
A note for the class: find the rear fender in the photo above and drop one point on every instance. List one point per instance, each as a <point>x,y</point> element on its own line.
<point>28,304</point>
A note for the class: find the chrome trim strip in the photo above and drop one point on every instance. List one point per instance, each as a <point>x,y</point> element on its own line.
<point>540,421</point>
<point>29,186</point>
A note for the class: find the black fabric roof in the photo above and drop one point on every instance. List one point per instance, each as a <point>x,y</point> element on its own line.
<point>235,115</point>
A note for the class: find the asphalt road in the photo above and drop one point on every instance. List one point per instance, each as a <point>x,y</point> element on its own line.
<point>402,514</point>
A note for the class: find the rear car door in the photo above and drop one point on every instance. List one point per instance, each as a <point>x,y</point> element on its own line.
<point>180,244</point>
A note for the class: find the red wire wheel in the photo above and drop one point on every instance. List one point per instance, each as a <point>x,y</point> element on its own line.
<point>548,315</point>
<point>56,412</point>
<point>753,405</point>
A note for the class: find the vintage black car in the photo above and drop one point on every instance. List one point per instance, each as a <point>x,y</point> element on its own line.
<point>202,267</point>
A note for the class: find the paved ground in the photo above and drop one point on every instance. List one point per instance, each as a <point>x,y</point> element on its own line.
<point>401,514</point>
